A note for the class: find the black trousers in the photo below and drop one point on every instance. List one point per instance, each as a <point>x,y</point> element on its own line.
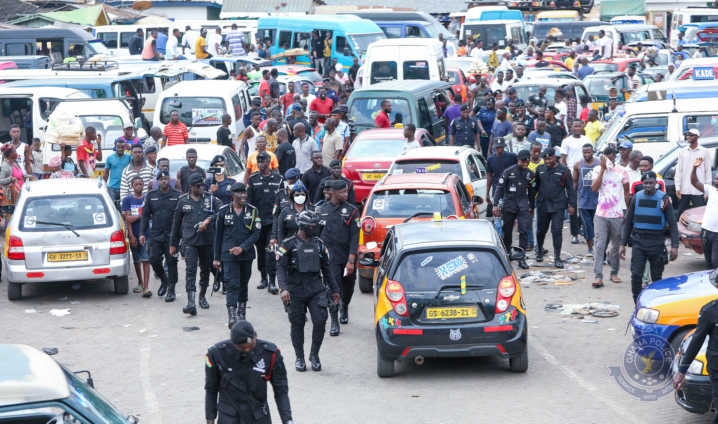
<point>710,248</point>
<point>195,255</point>
<point>524,221</point>
<point>297,309</point>
<point>266,261</point>
<point>555,220</point>
<point>644,249</point>
<point>689,201</point>
<point>236,274</point>
<point>346,284</point>
<point>157,251</point>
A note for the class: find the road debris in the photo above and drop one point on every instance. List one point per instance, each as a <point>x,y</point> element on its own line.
<point>77,302</point>
<point>144,330</point>
<point>601,310</point>
<point>556,277</point>
<point>30,311</point>
<point>50,350</point>
<point>190,328</point>
<point>127,325</point>
<point>59,312</point>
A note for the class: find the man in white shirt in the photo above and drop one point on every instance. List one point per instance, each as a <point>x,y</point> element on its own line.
<point>172,52</point>
<point>214,42</point>
<point>409,130</point>
<point>189,39</point>
<point>687,194</point>
<point>562,109</point>
<point>572,146</point>
<point>606,45</point>
<point>359,81</point>
<point>709,226</point>
<point>590,43</point>
<point>505,62</point>
<point>477,51</point>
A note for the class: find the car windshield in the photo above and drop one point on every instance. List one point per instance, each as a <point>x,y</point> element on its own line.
<point>107,126</point>
<point>99,48</point>
<point>93,401</point>
<point>662,59</point>
<point>364,110</point>
<point>601,67</point>
<point>361,41</point>
<point>195,111</point>
<point>382,148</point>
<point>526,91</point>
<point>599,86</point>
<point>465,65</point>
<point>405,203</point>
<point>425,166</point>
<point>429,269</point>
<point>80,212</point>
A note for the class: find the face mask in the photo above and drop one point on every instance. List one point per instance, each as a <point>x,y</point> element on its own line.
<point>300,199</point>
<point>221,170</point>
<point>313,232</point>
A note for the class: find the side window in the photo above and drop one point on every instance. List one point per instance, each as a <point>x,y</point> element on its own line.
<point>433,114</point>
<point>231,162</point>
<point>265,34</point>
<point>424,118</point>
<point>237,107</point>
<point>109,39</point>
<point>657,34</point>
<point>706,124</point>
<point>19,49</point>
<point>302,40</point>
<point>285,37</point>
<point>515,35</point>
<point>340,43</point>
<point>463,195</point>
<point>645,129</point>
<point>474,171</point>
<point>243,101</point>
<point>125,39</point>
<point>150,85</point>
<point>481,164</point>
<point>414,31</point>
<point>392,32</point>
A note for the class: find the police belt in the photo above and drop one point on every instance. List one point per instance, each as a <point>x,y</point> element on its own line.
<point>647,235</point>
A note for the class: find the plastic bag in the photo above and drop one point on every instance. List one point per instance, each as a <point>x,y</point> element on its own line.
<point>63,128</point>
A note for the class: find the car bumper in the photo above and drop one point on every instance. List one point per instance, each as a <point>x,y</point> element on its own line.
<point>690,239</point>
<point>435,342</point>
<point>16,271</point>
<point>654,335</point>
<point>696,394</point>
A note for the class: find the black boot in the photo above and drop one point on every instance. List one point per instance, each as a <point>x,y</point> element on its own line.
<point>163,287</point>
<point>170,293</point>
<point>316,365</point>
<point>191,308</point>
<point>557,259</point>
<point>263,283</point>
<point>272,286</point>
<point>232,313</point>
<point>523,264</point>
<point>242,312</point>
<point>539,254</point>
<point>344,308</point>
<point>334,329</point>
<point>215,286</point>
<point>224,288</point>
<point>300,365</point>
<point>202,300</point>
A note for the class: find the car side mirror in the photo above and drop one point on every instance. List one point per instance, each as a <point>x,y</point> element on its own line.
<point>369,262</point>
<point>9,209</point>
<point>142,134</point>
<point>516,253</point>
<point>478,200</point>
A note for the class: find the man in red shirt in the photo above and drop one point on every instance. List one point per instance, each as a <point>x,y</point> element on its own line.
<point>382,118</point>
<point>264,86</point>
<point>175,132</point>
<point>288,99</point>
<point>323,106</point>
<point>87,153</point>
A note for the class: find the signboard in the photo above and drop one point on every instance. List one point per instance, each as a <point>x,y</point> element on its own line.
<point>703,74</point>
<point>207,116</point>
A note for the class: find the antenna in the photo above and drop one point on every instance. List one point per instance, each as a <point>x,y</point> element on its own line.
<point>673,95</point>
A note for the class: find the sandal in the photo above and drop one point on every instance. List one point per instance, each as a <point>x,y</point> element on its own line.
<point>597,284</point>
<point>137,289</point>
<point>615,279</point>
<point>146,293</point>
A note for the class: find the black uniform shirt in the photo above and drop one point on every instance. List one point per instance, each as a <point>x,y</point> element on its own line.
<point>518,189</point>
<point>241,382</point>
<point>299,284</point>
<point>464,132</point>
<point>281,201</point>
<point>555,188</point>
<point>707,326</point>
<point>188,214</point>
<point>340,231</point>
<point>352,198</point>
<point>286,223</point>
<point>261,192</point>
<point>234,230</point>
<point>160,208</point>
<point>224,192</point>
<point>557,130</point>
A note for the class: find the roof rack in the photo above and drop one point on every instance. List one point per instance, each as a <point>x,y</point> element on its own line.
<point>103,65</point>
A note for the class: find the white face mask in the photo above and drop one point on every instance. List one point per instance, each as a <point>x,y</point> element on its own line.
<point>300,199</point>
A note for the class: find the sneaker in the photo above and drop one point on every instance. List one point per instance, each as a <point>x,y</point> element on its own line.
<point>590,253</point>
<point>574,240</point>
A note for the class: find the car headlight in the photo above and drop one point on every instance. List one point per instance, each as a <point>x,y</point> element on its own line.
<point>694,226</point>
<point>649,316</point>
<point>696,367</point>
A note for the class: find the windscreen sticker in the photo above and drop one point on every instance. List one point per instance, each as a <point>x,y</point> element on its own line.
<point>472,258</point>
<point>30,222</point>
<point>99,218</point>
<point>379,204</point>
<point>426,261</point>
<point>433,167</point>
<point>421,170</point>
<point>451,267</point>
<point>397,171</point>
<point>463,284</point>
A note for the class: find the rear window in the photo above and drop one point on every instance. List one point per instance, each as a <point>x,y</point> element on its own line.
<point>428,270</point>
<point>600,86</point>
<point>600,67</point>
<point>195,111</point>
<point>383,71</point>
<point>526,91</point>
<point>311,75</point>
<point>376,148</point>
<point>405,203</point>
<point>541,31</point>
<point>426,167</point>
<point>416,70</point>
<point>80,212</point>
<point>364,110</point>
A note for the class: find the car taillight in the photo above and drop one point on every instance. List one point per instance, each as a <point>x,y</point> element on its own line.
<point>452,217</point>
<point>351,175</point>
<point>118,245</point>
<point>369,225</point>
<point>506,290</point>
<point>395,293</point>
<point>16,251</point>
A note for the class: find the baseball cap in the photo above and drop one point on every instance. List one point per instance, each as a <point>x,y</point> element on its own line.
<point>625,145</point>
<point>694,132</point>
<point>499,142</point>
<point>128,125</point>
<point>511,90</point>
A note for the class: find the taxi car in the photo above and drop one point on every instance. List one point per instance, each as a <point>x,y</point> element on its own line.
<point>463,161</point>
<point>371,153</point>
<point>617,64</point>
<point>695,396</point>
<point>65,232</point>
<point>36,389</point>
<point>599,85</point>
<point>447,289</point>
<point>283,81</point>
<point>403,197</point>
<point>457,79</point>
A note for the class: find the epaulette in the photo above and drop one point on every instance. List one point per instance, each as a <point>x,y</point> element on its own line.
<point>250,206</point>
<point>709,305</point>
<point>268,345</point>
<point>253,174</point>
<point>225,206</point>
<point>184,195</point>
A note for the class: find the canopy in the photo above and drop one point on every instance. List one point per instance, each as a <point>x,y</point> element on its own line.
<point>612,8</point>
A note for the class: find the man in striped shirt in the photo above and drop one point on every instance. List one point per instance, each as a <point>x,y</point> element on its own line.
<point>235,42</point>
<point>137,166</point>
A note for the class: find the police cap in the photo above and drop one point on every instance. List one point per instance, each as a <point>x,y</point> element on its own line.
<point>218,158</point>
<point>335,162</point>
<point>648,174</point>
<point>163,174</point>
<point>292,174</point>
<point>195,179</point>
<point>262,156</point>
<point>465,107</point>
<point>338,184</point>
<point>242,332</point>
<point>238,187</point>
<point>548,152</point>
<point>524,155</point>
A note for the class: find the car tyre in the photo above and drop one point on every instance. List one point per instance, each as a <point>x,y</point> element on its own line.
<point>365,284</point>
<point>678,339</point>
<point>122,285</point>
<point>520,362</point>
<point>384,367</point>
<point>14,291</point>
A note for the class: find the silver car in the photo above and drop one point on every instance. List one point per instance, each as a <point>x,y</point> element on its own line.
<point>65,230</point>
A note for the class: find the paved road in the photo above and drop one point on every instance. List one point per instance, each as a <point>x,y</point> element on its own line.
<point>158,374</point>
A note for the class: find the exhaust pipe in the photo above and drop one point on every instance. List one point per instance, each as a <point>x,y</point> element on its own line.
<point>419,360</point>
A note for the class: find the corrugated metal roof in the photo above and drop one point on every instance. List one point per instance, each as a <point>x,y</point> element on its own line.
<point>263,6</point>
<point>428,6</point>
<point>12,9</point>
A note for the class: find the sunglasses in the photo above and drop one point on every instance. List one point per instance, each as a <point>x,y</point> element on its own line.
<point>200,185</point>
<point>219,164</point>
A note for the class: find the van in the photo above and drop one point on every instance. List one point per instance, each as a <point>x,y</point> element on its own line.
<point>405,59</point>
<point>429,22</point>
<point>687,67</point>
<point>558,16</point>
<point>421,103</point>
<point>54,43</point>
<point>572,30</point>
<point>690,16</point>
<point>351,36</point>
<point>492,13</point>
<point>491,32</point>
<point>625,19</point>
<point>409,29</point>
<point>30,62</point>
<point>201,105</point>
<point>628,34</point>
<point>683,89</point>
<point>655,127</point>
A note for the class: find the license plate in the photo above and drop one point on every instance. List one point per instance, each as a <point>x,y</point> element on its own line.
<point>373,176</point>
<point>67,256</point>
<point>448,313</point>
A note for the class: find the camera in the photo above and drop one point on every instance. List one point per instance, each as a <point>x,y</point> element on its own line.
<point>214,170</point>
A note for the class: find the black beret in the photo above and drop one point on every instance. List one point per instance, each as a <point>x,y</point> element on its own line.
<point>238,187</point>
<point>242,332</point>
<point>524,154</point>
<point>218,158</point>
<point>262,156</point>
<point>195,179</point>
<point>339,184</point>
<point>335,162</point>
<point>163,174</point>
<point>648,174</point>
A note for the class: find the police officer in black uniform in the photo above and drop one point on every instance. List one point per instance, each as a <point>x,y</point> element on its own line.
<point>262,187</point>
<point>648,213</point>
<point>159,207</point>
<point>286,225</point>
<point>282,200</point>
<point>325,186</point>
<point>335,167</point>
<point>194,215</point>
<point>220,184</point>
<point>517,188</point>
<point>238,370</point>
<point>464,130</point>
<point>238,228</point>
<point>341,222</point>
<point>302,257</point>
<point>554,185</point>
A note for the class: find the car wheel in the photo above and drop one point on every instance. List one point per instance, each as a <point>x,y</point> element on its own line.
<point>384,367</point>
<point>122,285</point>
<point>520,362</point>
<point>14,291</point>
<point>677,339</point>
<point>365,284</point>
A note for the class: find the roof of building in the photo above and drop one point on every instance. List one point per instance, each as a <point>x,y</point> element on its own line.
<point>13,9</point>
<point>428,6</point>
<point>239,8</point>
